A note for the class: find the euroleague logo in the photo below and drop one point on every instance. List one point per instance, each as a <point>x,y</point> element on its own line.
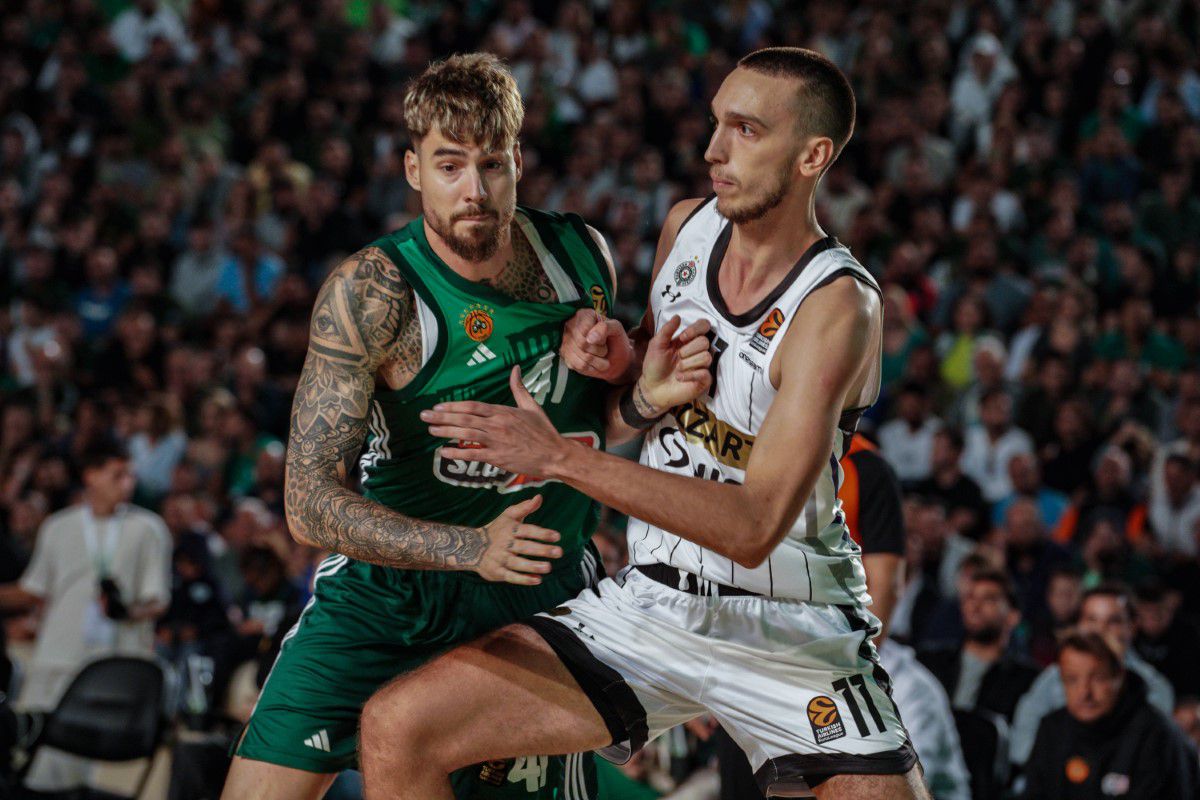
<point>481,475</point>
<point>599,300</point>
<point>477,322</point>
<point>825,720</point>
<point>761,341</point>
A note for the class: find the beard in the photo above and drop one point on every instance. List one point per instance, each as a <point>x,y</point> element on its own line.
<point>485,239</point>
<point>756,208</point>
<point>988,634</point>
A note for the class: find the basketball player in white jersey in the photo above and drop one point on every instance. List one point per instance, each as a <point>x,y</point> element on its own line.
<point>746,596</point>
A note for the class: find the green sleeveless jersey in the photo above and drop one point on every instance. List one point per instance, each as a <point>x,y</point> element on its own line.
<point>472,335</point>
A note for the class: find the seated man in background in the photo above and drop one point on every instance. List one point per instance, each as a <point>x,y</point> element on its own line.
<point>1108,741</point>
<point>981,672</point>
<point>1107,610</point>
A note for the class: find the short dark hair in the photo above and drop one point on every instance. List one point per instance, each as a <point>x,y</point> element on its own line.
<point>953,435</point>
<point>999,578</point>
<point>100,453</point>
<point>825,100</point>
<point>1094,645</point>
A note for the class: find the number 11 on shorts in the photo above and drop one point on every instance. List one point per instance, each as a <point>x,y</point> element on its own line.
<point>842,686</point>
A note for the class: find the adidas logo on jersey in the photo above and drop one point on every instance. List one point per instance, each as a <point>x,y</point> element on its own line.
<point>482,354</point>
<point>319,740</point>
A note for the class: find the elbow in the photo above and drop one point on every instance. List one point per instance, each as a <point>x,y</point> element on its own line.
<point>757,545</point>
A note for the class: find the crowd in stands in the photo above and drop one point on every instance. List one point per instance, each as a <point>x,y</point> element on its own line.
<point>178,176</point>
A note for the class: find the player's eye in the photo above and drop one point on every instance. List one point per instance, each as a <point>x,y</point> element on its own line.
<point>745,130</point>
<point>712,121</point>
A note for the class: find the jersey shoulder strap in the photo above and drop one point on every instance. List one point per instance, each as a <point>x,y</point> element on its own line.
<point>567,238</point>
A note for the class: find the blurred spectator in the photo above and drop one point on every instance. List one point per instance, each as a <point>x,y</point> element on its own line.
<point>1026,476</point>
<point>1029,555</point>
<point>981,671</point>
<point>960,496</point>
<point>1107,741</point>
<point>156,448</point>
<point>135,29</point>
<point>1060,611</point>
<point>1166,641</point>
<point>907,441</point>
<point>196,272</point>
<point>1108,612</point>
<point>1175,511</point>
<point>991,444</point>
<point>100,575</point>
<point>249,275</point>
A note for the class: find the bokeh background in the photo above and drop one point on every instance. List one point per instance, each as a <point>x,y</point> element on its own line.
<point>1022,181</point>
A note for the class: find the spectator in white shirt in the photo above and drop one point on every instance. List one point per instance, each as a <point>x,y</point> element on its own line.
<point>991,444</point>
<point>101,576</point>
<point>1175,508</point>
<point>135,28</point>
<point>907,441</point>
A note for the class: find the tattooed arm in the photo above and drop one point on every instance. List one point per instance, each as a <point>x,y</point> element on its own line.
<point>356,328</point>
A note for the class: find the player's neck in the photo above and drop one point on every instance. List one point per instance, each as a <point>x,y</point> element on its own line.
<point>761,252</point>
<point>473,270</point>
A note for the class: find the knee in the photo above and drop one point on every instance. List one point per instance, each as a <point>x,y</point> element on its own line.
<point>391,722</point>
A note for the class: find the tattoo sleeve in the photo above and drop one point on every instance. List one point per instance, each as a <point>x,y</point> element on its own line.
<point>356,325</point>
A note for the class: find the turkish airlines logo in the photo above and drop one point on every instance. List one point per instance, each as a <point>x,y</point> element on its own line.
<point>481,475</point>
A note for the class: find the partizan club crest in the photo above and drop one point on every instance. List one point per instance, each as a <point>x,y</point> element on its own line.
<point>685,273</point>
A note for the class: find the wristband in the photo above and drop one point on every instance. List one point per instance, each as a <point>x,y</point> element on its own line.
<point>631,405</point>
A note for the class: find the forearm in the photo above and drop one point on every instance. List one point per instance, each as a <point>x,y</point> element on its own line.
<point>327,515</point>
<point>885,576</point>
<point>13,598</point>
<point>722,517</point>
<point>628,413</point>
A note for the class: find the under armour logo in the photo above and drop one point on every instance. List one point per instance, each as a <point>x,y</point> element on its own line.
<point>671,296</point>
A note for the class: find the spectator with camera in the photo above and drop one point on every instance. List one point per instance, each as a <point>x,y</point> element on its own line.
<point>99,577</point>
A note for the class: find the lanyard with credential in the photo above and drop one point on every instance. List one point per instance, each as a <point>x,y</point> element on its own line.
<point>101,552</point>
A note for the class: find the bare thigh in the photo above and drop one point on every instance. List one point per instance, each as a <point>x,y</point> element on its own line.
<point>910,786</point>
<point>258,780</point>
<point>502,696</point>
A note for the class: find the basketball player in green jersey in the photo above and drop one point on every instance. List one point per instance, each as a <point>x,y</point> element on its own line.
<point>435,551</point>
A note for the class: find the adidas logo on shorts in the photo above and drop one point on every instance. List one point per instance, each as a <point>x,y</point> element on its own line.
<point>319,740</point>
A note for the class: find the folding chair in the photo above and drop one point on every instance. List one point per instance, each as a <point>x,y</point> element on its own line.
<point>112,711</point>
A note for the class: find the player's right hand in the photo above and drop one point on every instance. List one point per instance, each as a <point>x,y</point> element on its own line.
<point>511,542</point>
<point>596,346</point>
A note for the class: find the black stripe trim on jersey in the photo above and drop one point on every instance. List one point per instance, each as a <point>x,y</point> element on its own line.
<point>843,272</point>
<point>694,212</point>
<point>816,768</point>
<point>764,305</point>
<point>607,690</point>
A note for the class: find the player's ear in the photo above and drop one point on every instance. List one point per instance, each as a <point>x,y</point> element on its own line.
<point>815,156</point>
<point>411,169</point>
<point>518,163</point>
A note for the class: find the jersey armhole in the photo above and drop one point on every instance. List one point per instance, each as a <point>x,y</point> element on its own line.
<point>423,296</point>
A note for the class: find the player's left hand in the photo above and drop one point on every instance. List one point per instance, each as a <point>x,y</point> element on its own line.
<point>521,440</point>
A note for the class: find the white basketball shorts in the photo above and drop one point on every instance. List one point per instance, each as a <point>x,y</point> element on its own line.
<point>797,685</point>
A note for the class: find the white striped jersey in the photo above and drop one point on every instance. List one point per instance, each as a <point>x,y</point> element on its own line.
<point>712,436</point>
